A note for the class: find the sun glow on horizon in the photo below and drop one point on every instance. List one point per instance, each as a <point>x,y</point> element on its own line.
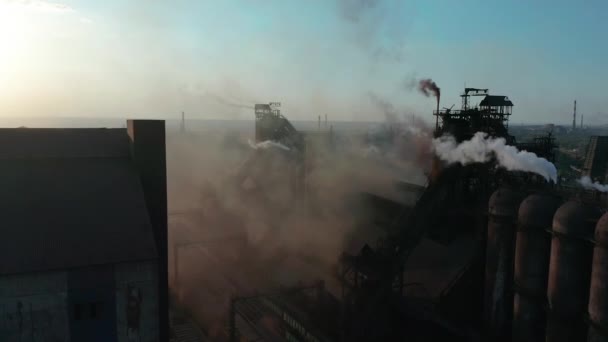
<point>14,31</point>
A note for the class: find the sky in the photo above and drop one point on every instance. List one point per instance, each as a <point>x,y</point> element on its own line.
<point>212,59</point>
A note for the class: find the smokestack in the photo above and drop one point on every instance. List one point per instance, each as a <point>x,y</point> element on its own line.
<point>428,87</point>
<point>148,153</point>
<point>574,117</point>
<point>582,116</point>
<point>319,122</point>
<point>182,127</point>
<point>325,121</point>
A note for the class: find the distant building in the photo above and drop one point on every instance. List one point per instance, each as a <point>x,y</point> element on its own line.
<point>83,234</point>
<point>596,161</point>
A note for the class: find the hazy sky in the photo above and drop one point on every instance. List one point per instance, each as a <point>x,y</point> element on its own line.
<point>155,58</point>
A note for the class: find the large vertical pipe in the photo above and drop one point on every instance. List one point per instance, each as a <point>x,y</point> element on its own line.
<point>570,272</point>
<point>532,248</point>
<point>598,296</point>
<point>498,304</point>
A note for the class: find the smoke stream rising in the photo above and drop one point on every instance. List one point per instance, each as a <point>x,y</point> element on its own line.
<point>586,183</point>
<point>481,149</point>
<point>428,87</point>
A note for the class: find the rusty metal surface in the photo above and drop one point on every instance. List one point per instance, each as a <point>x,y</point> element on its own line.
<point>570,271</point>
<point>598,296</point>
<point>498,307</point>
<point>532,250</point>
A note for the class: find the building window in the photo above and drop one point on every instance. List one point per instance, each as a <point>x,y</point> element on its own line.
<point>77,312</point>
<point>91,310</point>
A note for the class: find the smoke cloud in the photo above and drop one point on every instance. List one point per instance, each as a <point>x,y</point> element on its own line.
<point>428,88</point>
<point>256,231</point>
<point>481,149</point>
<point>409,136</point>
<point>267,144</point>
<point>586,183</point>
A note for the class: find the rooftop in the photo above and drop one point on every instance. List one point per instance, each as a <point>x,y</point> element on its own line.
<point>71,197</point>
<point>495,101</point>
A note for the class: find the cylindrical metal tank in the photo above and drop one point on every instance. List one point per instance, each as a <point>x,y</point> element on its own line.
<point>570,271</point>
<point>598,296</point>
<point>498,293</point>
<point>532,248</point>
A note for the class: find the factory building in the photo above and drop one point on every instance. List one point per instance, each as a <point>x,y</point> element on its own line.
<point>596,161</point>
<point>84,234</point>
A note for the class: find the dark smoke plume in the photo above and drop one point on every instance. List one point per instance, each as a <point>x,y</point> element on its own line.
<point>428,87</point>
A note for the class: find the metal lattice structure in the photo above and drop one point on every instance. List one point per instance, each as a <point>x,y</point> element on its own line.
<point>271,125</point>
<point>491,115</point>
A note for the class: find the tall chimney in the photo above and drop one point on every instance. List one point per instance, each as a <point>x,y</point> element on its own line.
<point>148,154</point>
<point>325,121</point>
<point>574,117</point>
<point>182,127</point>
<point>437,104</point>
<point>319,122</point>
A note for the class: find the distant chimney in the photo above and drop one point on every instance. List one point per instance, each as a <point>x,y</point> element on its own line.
<point>148,153</point>
<point>325,121</point>
<point>182,127</point>
<point>574,117</point>
<point>319,122</point>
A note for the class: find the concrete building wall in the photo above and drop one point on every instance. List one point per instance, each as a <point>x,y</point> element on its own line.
<point>137,284</point>
<point>34,306</point>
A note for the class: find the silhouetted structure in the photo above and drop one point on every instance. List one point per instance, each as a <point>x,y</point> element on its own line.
<point>450,215</point>
<point>574,117</point>
<point>271,125</point>
<point>83,243</point>
<point>596,161</point>
<point>490,116</point>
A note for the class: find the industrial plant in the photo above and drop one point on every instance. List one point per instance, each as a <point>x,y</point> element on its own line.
<point>475,237</point>
<point>275,232</point>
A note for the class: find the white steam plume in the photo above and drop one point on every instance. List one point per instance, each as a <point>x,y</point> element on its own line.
<point>268,144</point>
<point>481,148</point>
<point>586,183</point>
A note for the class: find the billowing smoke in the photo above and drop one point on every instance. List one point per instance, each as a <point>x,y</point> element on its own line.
<point>481,149</point>
<point>253,222</point>
<point>428,88</point>
<point>267,144</point>
<point>407,137</point>
<point>586,183</point>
